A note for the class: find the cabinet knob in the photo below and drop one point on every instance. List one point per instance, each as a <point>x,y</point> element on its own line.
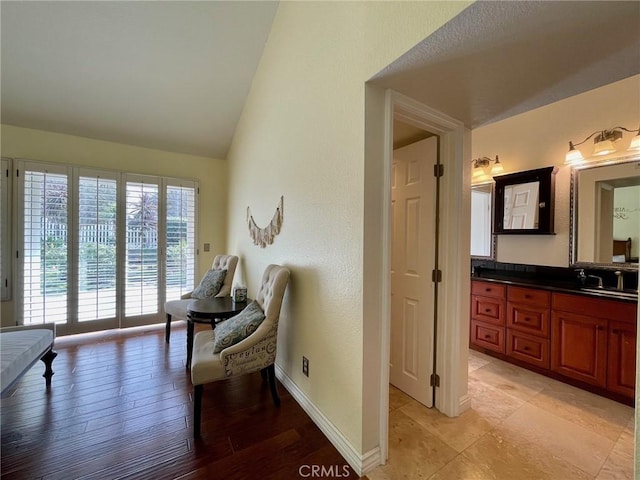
<point>526,349</point>
<point>527,296</point>
<point>527,319</point>
<point>487,336</point>
<point>487,310</point>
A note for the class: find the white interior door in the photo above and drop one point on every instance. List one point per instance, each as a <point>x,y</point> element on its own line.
<point>412,261</point>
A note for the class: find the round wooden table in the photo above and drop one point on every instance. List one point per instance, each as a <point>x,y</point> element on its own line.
<point>210,311</point>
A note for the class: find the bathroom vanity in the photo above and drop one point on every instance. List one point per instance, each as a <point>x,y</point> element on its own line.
<point>584,338</point>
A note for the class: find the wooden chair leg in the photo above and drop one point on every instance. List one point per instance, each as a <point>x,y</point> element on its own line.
<point>167,329</point>
<point>47,359</point>
<point>271,374</point>
<point>197,408</point>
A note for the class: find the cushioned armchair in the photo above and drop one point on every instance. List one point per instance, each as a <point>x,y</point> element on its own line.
<point>255,352</point>
<point>178,308</point>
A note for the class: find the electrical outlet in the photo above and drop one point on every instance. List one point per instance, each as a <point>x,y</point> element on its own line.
<point>305,366</point>
<point>207,247</point>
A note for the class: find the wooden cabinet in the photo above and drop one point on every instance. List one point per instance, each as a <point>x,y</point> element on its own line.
<point>586,340</point>
<point>528,325</point>
<point>621,372</point>
<point>487,315</point>
<point>591,341</point>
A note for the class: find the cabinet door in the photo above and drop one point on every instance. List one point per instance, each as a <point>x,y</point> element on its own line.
<point>621,374</point>
<point>487,309</point>
<point>579,347</point>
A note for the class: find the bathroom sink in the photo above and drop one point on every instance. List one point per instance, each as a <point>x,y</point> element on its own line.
<point>610,292</point>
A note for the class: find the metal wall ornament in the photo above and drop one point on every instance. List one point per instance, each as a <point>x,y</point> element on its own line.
<point>265,236</point>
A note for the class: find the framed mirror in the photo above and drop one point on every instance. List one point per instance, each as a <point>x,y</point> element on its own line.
<point>605,214</point>
<point>483,244</point>
<point>524,202</point>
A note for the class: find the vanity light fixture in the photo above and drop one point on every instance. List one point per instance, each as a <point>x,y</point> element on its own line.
<point>603,144</point>
<point>482,166</point>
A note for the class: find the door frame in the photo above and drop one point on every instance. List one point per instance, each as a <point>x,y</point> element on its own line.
<point>453,295</point>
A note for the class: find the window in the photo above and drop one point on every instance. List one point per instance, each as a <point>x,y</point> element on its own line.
<point>5,231</point>
<point>180,239</point>
<point>93,244</point>
<point>44,253</point>
<point>97,247</point>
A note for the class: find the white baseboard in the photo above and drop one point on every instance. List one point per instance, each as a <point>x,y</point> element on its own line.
<point>465,403</point>
<point>360,463</point>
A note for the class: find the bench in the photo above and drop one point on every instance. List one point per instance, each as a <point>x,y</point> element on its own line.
<point>21,347</point>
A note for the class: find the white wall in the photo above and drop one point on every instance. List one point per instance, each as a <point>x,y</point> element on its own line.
<point>540,138</point>
<point>301,135</point>
<point>211,175</point>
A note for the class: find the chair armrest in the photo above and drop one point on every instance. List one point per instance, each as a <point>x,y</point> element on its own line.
<point>251,354</point>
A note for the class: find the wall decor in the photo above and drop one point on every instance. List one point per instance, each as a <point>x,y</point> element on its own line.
<point>265,236</point>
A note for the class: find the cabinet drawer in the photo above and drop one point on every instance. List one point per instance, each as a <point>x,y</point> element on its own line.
<point>529,296</point>
<point>487,289</point>
<point>528,348</point>
<point>528,319</point>
<point>594,307</point>
<point>487,309</point>
<point>487,336</point>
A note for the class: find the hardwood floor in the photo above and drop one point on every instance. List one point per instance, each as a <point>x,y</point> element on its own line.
<point>120,406</point>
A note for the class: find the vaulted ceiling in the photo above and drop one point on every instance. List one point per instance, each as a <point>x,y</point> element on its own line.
<point>175,75</point>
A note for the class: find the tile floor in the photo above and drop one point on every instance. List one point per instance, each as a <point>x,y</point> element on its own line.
<point>521,425</point>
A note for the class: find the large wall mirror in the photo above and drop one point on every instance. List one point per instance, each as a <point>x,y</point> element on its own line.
<point>483,243</point>
<point>605,214</point>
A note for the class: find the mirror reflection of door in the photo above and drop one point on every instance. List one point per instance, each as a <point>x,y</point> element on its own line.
<point>481,220</point>
<point>521,206</point>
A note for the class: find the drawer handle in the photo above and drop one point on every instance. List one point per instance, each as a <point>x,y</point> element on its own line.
<point>526,349</point>
<point>527,319</point>
<point>527,296</point>
<point>487,336</point>
<point>487,310</point>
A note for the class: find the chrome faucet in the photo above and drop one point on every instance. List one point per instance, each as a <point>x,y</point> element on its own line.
<point>620,280</point>
<point>596,278</point>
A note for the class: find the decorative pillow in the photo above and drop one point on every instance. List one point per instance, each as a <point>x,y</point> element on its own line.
<point>210,284</point>
<point>238,328</point>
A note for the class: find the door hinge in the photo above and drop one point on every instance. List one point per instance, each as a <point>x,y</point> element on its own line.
<point>436,276</point>
<point>434,380</point>
<point>438,170</point>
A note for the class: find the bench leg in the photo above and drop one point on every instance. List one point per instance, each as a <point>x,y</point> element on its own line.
<point>47,359</point>
<point>167,329</point>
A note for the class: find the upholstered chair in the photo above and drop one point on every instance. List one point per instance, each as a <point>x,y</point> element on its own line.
<point>177,309</point>
<point>256,352</point>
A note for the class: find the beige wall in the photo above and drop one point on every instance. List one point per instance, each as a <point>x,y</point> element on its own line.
<point>540,138</point>
<point>301,135</point>
<point>210,173</point>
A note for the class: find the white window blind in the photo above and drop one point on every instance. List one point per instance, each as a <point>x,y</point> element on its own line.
<point>141,265</point>
<point>97,248</point>
<point>5,232</point>
<point>180,239</point>
<point>45,234</point>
